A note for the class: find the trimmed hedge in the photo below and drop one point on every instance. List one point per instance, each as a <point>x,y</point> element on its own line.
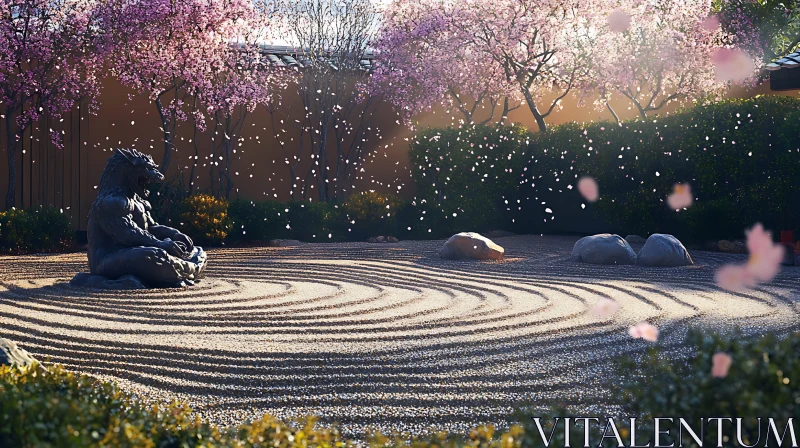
<point>741,157</point>
<point>39,229</point>
<point>372,214</point>
<point>55,408</point>
<point>466,178</point>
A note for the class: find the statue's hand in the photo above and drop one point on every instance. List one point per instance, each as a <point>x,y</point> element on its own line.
<point>180,237</point>
<point>174,248</point>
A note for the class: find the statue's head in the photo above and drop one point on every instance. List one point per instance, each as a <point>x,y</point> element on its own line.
<point>131,169</point>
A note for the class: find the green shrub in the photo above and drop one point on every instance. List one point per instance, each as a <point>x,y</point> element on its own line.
<point>372,214</point>
<point>464,178</point>
<point>205,218</point>
<point>40,229</point>
<point>56,408</point>
<point>257,221</point>
<point>761,382</point>
<point>316,221</point>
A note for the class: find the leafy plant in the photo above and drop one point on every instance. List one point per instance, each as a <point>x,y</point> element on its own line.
<point>372,214</point>
<point>205,218</point>
<point>39,229</point>
<point>316,221</point>
<point>257,221</point>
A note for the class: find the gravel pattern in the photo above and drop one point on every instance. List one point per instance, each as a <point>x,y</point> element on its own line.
<point>382,336</point>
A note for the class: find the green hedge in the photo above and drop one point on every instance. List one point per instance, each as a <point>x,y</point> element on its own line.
<point>55,408</point>
<point>39,229</point>
<point>465,178</point>
<point>741,157</point>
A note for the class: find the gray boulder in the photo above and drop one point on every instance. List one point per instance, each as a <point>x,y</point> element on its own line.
<point>662,250</point>
<point>12,355</point>
<point>603,249</point>
<point>469,245</point>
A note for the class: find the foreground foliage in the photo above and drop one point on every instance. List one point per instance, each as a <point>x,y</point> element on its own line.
<point>56,408</point>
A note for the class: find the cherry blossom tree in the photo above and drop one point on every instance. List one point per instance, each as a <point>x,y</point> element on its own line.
<point>49,59</point>
<point>767,28</point>
<point>245,82</point>
<point>331,38</point>
<point>531,49</point>
<point>658,52</point>
<point>170,49</point>
<point>426,61</point>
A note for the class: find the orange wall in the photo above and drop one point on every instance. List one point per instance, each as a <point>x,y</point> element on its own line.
<point>66,177</point>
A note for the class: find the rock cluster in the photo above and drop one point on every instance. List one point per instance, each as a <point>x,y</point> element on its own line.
<point>659,250</point>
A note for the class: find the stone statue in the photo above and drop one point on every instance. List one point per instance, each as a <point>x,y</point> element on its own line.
<point>127,248</point>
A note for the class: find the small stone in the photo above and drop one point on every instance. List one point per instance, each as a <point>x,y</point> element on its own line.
<point>635,239</point>
<point>663,250</point>
<point>382,239</point>
<point>732,247</point>
<point>12,355</point>
<point>471,245</point>
<point>285,243</point>
<point>603,249</point>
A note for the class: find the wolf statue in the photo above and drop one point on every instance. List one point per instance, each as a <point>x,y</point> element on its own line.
<point>127,248</point>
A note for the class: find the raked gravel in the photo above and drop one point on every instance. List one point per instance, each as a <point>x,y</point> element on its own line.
<point>382,336</point>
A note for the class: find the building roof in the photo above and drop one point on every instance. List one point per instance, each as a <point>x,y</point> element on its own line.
<point>288,56</point>
<point>782,76</point>
<point>791,60</point>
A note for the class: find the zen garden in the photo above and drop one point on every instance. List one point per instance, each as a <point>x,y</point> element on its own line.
<point>400,223</point>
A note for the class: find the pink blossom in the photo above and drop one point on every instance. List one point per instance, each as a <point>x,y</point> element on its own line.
<point>762,265</point>
<point>733,277</point>
<point>51,56</point>
<point>765,256</point>
<point>681,197</point>
<point>661,58</point>
<point>619,21</point>
<point>588,188</point>
<point>721,364</point>
<point>733,65</point>
<point>605,307</point>
<point>644,331</point>
<point>711,23</point>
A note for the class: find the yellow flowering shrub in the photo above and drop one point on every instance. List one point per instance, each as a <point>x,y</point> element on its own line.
<point>205,218</point>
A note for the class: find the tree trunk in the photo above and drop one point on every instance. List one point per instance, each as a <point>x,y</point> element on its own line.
<point>616,117</point>
<point>11,135</point>
<point>167,139</point>
<point>534,110</point>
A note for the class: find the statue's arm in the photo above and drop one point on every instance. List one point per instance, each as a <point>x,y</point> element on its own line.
<point>117,221</point>
<point>163,232</point>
